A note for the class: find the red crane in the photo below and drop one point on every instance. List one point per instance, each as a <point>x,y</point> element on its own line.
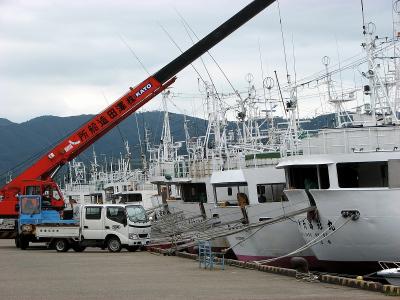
<point>38,178</point>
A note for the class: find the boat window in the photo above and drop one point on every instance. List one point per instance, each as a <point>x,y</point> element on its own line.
<point>116,214</point>
<point>323,177</point>
<point>308,177</point>
<point>134,197</point>
<point>93,213</point>
<point>194,192</point>
<point>270,192</point>
<point>237,191</point>
<point>363,174</point>
<point>393,171</point>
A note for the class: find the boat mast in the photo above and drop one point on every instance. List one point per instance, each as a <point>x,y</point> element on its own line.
<point>342,116</point>
<point>382,109</point>
<point>396,52</point>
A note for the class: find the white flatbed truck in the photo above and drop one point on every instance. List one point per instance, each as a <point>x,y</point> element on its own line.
<point>112,226</point>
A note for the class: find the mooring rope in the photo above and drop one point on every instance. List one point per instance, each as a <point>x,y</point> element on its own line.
<point>311,243</point>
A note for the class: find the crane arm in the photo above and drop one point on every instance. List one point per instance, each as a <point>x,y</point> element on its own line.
<point>94,129</point>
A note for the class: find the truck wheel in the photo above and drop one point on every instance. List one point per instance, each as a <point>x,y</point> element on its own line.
<point>78,248</point>
<point>61,245</point>
<point>17,242</point>
<point>23,243</point>
<point>132,248</point>
<point>114,244</point>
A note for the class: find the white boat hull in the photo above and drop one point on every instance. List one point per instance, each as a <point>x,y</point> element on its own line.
<point>273,240</point>
<point>371,238</point>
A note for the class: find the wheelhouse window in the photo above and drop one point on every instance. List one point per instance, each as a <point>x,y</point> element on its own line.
<point>363,174</point>
<point>135,197</point>
<point>230,194</point>
<point>193,192</point>
<point>308,177</point>
<point>270,192</point>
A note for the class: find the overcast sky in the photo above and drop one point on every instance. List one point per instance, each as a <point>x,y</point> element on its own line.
<point>65,57</point>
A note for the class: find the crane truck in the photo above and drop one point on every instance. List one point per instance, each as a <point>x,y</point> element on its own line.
<point>112,226</point>
<point>37,180</point>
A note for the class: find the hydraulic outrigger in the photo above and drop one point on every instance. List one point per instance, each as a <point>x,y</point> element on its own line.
<point>38,178</point>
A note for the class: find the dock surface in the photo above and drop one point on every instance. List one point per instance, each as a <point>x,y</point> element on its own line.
<point>39,273</point>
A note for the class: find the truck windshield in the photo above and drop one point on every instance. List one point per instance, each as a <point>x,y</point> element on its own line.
<point>136,213</point>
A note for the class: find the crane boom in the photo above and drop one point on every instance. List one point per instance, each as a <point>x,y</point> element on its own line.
<point>38,178</point>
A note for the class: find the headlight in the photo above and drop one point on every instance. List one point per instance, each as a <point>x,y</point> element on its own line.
<point>133,236</point>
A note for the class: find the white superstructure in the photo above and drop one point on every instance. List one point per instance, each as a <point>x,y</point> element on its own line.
<point>356,194</point>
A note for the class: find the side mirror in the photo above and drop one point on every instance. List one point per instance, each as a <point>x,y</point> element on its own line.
<point>125,222</point>
<point>17,207</point>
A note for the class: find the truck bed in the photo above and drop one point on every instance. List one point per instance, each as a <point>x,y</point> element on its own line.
<point>58,231</point>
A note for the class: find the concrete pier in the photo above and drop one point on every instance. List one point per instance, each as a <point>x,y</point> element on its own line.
<point>39,273</point>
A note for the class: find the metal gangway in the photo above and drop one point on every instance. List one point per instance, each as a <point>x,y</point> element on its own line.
<point>182,232</point>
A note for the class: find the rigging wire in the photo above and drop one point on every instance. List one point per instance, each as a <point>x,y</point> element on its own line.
<point>211,56</point>
<point>134,54</point>
<point>295,81</point>
<point>280,93</point>
<point>202,62</point>
<point>179,48</point>
<point>262,77</point>
<point>322,236</point>
<point>294,62</point>
<point>118,128</point>
<point>139,137</point>
<point>136,118</point>
<point>320,100</point>
<point>363,17</point>
<point>340,72</point>
<point>283,42</point>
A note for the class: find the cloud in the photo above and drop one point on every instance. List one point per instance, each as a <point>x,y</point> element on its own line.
<point>58,57</point>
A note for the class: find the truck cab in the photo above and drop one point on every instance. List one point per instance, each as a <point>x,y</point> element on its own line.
<point>114,226</point>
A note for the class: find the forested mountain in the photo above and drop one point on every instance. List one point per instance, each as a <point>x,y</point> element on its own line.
<point>21,144</point>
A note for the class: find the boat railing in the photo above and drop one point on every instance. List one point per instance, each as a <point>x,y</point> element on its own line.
<point>77,188</point>
<point>351,140</point>
<point>389,264</point>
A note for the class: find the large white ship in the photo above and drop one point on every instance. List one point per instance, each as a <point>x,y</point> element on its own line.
<point>351,174</point>
<point>355,192</point>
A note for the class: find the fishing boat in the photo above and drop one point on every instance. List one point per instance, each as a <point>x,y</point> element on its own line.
<point>351,175</point>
